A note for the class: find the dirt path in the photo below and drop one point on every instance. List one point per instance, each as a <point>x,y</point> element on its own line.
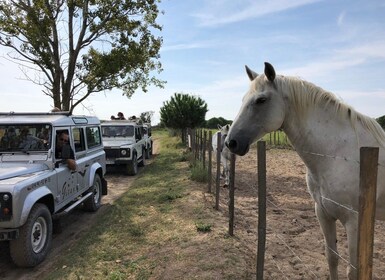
<point>74,226</point>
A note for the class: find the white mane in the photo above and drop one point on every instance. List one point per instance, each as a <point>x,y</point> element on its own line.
<point>304,95</point>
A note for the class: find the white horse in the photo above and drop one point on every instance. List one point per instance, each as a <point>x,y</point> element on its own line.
<point>327,135</point>
<point>225,152</point>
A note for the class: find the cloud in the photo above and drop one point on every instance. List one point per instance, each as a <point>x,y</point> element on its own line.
<point>229,11</point>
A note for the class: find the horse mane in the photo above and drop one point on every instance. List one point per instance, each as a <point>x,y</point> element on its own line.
<point>304,95</point>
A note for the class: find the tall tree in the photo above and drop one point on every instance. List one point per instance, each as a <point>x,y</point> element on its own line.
<point>183,111</point>
<point>146,116</point>
<point>79,47</point>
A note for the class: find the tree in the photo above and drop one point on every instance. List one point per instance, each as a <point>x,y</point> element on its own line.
<point>213,122</point>
<point>147,116</point>
<point>79,47</point>
<point>183,111</point>
<point>381,121</point>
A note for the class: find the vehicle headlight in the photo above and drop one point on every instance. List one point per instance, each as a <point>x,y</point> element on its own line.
<point>5,206</point>
<point>125,152</point>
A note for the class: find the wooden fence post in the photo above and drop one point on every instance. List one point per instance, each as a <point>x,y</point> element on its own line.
<point>261,154</point>
<point>231,194</point>
<point>367,209</point>
<point>217,181</point>
<point>204,142</point>
<point>210,172</point>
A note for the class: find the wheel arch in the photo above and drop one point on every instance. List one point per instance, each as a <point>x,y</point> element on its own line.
<point>41,195</point>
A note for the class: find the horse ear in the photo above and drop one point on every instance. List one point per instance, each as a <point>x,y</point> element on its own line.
<point>252,75</point>
<point>219,126</point>
<point>269,72</point>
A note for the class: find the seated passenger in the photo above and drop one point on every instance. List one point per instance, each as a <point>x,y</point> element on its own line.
<point>62,141</point>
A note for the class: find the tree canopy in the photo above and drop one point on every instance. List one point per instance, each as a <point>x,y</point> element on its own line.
<point>214,122</point>
<point>381,121</point>
<point>79,47</point>
<point>183,111</point>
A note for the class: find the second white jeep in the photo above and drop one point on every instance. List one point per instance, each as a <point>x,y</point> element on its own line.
<point>124,144</point>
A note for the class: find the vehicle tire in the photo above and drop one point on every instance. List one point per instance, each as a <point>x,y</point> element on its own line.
<point>132,167</point>
<point>35,238</point>
<point>93,203</point>
<point>152,145</point>
<point>147,153</point>
<point>143,160</point>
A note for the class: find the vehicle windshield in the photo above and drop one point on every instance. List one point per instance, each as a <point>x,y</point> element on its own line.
<point>118,131</point>
<point>25,138</point>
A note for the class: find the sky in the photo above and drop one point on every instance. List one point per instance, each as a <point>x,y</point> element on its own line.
<point>338,45</point>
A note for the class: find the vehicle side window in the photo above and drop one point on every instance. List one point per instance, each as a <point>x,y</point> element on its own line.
<point>93,136</point>
<point>78,139</point>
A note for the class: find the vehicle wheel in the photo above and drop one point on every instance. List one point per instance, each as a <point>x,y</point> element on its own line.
<point>152,145</point>
<point>93,203</point>
<point>143,161</point>
<point>132,167</point>
<point>35,238</point>
<point>147,153</point>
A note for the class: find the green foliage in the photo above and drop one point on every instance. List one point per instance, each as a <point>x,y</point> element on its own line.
<point>183,110</point>
<point>201,227</point>
<point>60,40</point>
<point>198,173</point>
<point>214,122</point>
<point>381,121</point>
<point>147,116</point>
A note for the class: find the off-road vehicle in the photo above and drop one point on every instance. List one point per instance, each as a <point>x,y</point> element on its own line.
<point>124,144</point>
<point>37,186</point>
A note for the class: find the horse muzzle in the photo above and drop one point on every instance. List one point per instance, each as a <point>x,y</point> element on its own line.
<point>237,147</point>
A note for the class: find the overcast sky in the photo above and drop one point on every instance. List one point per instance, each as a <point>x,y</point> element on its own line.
<point>338,45</point>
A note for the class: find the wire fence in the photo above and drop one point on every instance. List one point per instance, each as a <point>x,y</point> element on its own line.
<point>200,143</point>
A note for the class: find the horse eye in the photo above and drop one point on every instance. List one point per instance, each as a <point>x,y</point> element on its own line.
<point>261,100</point>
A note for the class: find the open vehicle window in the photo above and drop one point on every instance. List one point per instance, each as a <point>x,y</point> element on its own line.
<point>25,138</point>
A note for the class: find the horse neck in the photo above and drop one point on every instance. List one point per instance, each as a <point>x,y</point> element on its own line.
<point>319,131</point>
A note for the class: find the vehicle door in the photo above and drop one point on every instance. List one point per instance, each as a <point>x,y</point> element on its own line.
<point>67,185</point>
<point>138,139</point>
<point>82,160</point>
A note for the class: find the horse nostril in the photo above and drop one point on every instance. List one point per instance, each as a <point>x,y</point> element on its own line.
<point>232,144</point>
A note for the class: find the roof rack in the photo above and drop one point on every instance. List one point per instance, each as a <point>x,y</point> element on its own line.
<point>64,113</point>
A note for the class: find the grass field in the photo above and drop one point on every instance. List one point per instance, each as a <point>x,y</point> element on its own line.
<point>160,229</point>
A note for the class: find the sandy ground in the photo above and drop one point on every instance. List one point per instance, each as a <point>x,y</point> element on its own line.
<point>294,243</point>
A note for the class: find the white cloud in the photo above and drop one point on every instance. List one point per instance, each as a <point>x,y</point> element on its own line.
<point>225,12</point>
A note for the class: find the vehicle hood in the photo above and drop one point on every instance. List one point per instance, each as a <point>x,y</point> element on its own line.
<point>117,142</point>
<point>8,170</point>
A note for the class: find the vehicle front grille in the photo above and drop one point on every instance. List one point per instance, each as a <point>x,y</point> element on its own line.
<point>112,153</point>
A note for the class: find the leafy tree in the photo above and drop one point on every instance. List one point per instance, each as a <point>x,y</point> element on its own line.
<point>381,121</point>
<point>213,122</point>
<point>183,111</point>
<point>147,116</point>
<point>79,47</point>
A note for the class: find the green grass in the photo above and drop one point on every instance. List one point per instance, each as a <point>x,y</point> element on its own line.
<point>157,224</point>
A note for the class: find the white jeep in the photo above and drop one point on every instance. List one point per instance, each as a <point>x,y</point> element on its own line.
<point>124,144</point>
<point>36,186</point>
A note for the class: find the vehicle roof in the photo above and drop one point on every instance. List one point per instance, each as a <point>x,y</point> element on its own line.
<point>54,118</point>
<point>119,122</point>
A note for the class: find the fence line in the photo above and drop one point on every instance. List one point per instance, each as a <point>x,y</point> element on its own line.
<point>203,142</point>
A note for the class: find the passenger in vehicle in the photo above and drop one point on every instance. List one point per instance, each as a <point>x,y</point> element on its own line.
<point>9,139</point>
<point>61,141</point>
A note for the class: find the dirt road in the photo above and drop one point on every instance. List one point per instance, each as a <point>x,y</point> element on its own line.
<point>74,225</point>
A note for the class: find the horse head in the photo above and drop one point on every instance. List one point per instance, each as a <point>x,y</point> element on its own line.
<point>262,111</point>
